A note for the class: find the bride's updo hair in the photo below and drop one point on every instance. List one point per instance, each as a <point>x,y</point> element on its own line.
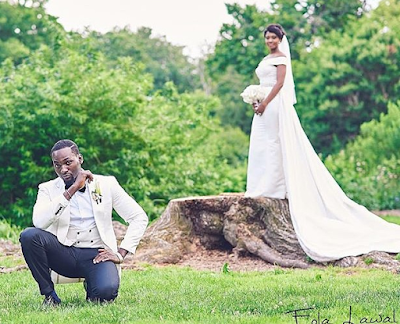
<point>276,29</point>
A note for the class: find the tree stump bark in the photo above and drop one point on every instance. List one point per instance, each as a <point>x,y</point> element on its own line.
<point>260,226</point>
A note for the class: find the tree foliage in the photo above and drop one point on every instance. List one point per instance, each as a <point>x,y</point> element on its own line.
<point>25,26</point>
<point>350,78</point>
<point>164,61</point>
<point>241,43</point>
<point>309,20</point>
<point>160,146</point>
<point>369,168</point>
<point>24,29</point>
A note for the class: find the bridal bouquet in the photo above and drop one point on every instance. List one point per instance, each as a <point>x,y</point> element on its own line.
<point>253,94</point>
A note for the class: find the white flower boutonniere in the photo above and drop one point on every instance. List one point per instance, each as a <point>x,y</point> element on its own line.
<point>96,193</point>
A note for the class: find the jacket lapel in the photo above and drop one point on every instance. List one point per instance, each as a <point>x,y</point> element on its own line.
<point>63,222</point>
<point>60,186</point>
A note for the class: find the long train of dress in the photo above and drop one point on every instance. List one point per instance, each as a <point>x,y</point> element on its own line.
<point>328,224</point>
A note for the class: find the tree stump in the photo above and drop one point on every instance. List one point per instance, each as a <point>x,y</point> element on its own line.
<point>260,226</point>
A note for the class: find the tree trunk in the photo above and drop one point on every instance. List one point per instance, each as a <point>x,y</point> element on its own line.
<point>260,226</point>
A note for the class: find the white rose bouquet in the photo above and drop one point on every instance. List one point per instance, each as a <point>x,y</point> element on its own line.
<point>254,94</point>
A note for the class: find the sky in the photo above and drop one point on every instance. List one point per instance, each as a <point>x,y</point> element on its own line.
<point>194,24</point>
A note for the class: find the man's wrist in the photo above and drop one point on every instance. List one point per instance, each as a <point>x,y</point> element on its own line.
<point>69,196</point>
<point>120,257</point>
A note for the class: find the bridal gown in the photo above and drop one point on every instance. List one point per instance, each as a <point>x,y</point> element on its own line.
<point>283,164</point>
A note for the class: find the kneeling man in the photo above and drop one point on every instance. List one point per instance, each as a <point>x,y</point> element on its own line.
<point>73,233</point>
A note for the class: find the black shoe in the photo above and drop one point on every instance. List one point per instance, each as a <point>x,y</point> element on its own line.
<point>51,300</point>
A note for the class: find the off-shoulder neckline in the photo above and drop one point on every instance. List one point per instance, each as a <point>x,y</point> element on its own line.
<point>273,57</point>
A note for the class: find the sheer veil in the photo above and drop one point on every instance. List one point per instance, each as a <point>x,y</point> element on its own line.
<point>289,81</point>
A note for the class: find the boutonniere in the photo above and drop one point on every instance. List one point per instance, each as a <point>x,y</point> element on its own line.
<point>96,193</point>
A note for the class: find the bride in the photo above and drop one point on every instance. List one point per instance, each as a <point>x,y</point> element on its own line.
<point>283,164</point>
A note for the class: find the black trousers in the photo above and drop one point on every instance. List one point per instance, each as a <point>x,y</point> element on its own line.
<point>43,252</point>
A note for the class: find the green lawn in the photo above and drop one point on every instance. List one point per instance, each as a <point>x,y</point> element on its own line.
<point>181,295</point>
<point>392,219</point>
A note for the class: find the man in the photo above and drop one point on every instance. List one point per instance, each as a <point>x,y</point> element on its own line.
<point>73,233</point>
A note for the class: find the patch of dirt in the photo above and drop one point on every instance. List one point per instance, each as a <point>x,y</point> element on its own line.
<point>201,259</point>
<point>211,260</point>
<point>214,260</point>
<point>394,212</point>
<point>7,249</point>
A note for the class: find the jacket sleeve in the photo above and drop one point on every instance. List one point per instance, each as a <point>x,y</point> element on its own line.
<point>47,210</point>
<point>132,213</point>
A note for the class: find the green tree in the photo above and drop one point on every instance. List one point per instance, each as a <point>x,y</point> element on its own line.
<point>350,78</point>
<point>368,169</point>
<point>231,66</point>
<point>160,146</point>
<point>309,20</point>
<point>233,111</point>
<point>241,43</point>
<point>24,29</point>
<point>164,61</point>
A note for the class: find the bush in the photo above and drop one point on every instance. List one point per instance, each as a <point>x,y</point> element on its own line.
<point>369,168</point>
<point>159,147</point>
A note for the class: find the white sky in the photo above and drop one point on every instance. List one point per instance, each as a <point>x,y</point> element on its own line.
<point>191,23</point>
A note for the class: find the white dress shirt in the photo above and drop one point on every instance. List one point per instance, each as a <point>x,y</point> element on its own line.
<point>81,212</point>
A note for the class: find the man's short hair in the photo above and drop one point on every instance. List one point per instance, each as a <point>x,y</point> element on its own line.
<point>63,144</point>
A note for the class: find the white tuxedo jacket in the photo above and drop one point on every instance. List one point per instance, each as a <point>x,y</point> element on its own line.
<point>52,211</point>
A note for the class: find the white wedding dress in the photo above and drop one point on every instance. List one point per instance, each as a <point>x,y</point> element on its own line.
<point>283,164</point>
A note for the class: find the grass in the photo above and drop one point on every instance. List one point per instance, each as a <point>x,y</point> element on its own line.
<point>10,261</point>
<point>181,295</point>
<point>9,232</point>
<point>392,219</point>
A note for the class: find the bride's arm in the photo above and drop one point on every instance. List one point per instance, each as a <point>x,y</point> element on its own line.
<point>280,78</point>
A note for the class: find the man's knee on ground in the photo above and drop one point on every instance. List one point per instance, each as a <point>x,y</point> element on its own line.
<point>107,291</point>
